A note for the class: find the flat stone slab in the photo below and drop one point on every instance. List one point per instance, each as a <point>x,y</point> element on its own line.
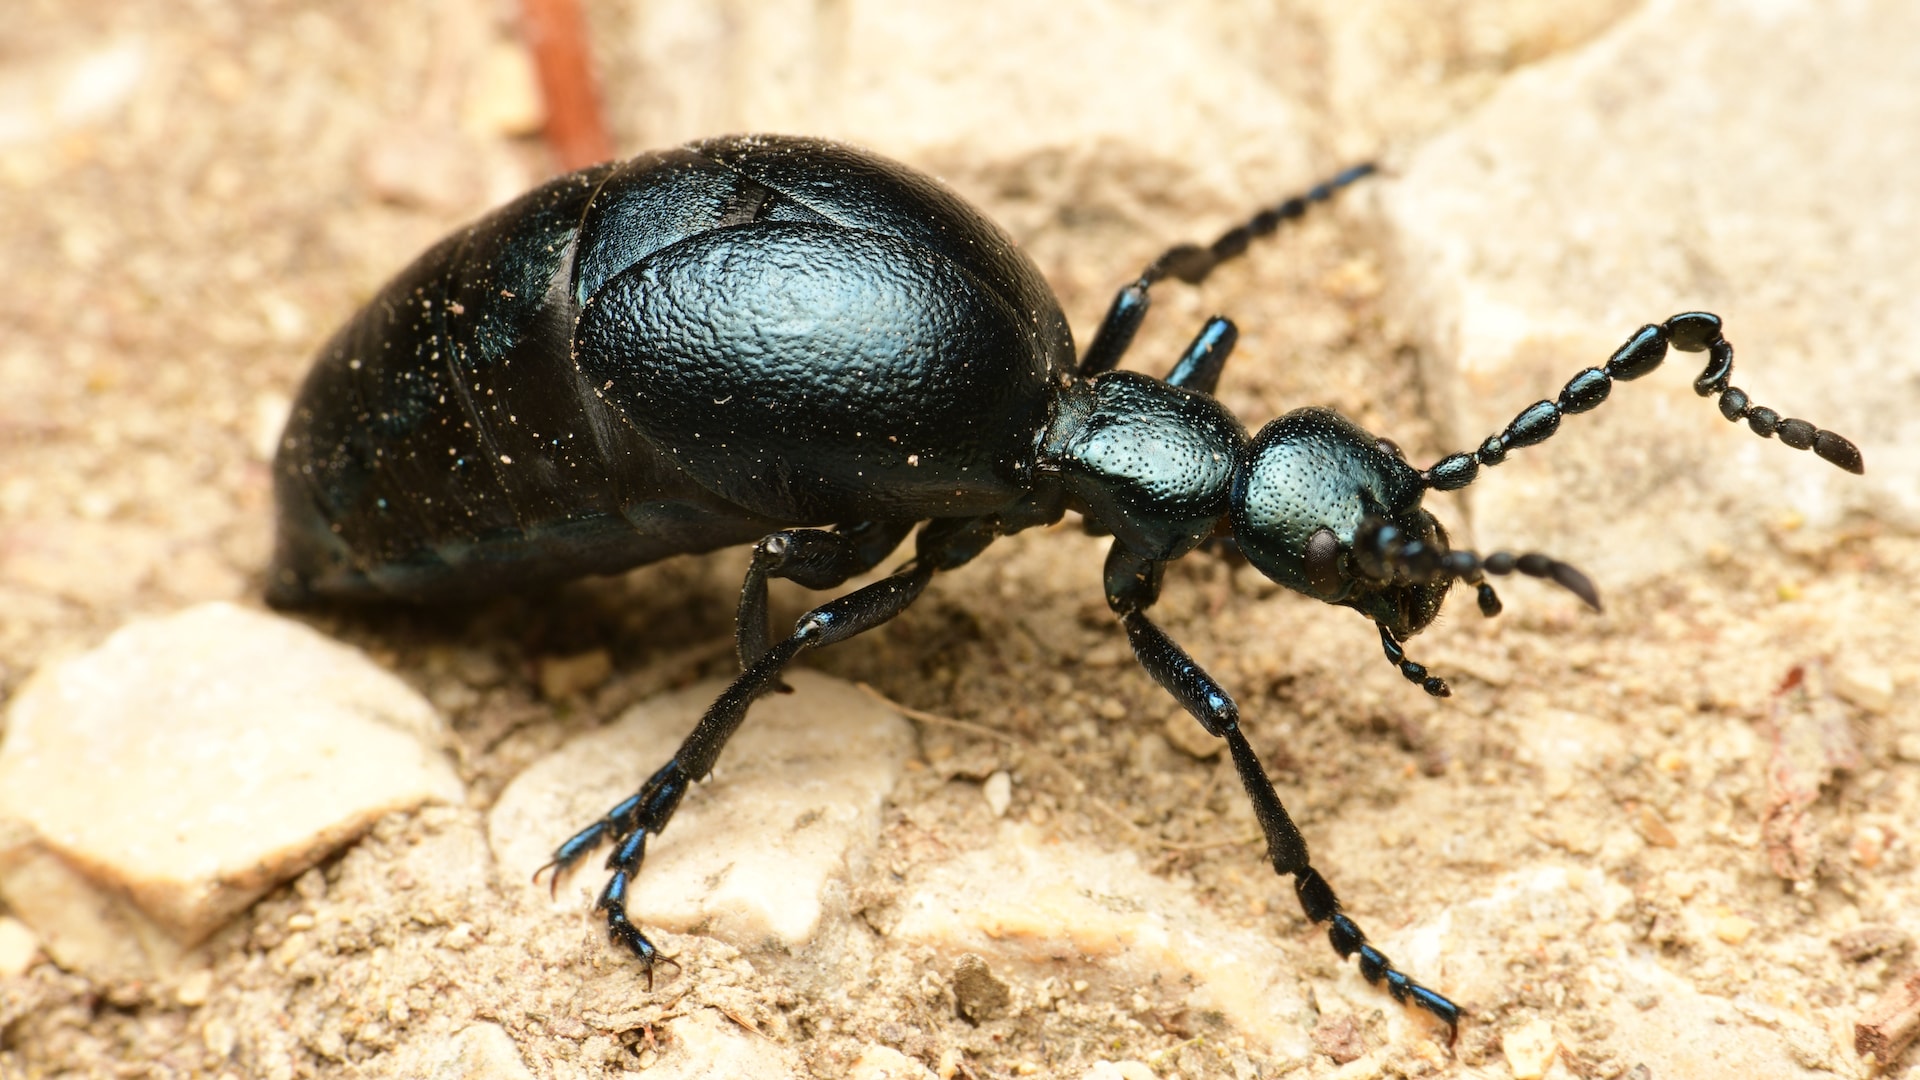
<point>1667,167</point>
<point>1583,922</point>
<point>1027,901</point>
<point>166,779</point>
<point>706,1044</point>
<point>748,857</point>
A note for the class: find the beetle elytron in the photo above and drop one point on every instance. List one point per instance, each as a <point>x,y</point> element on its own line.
<point>802,345</point>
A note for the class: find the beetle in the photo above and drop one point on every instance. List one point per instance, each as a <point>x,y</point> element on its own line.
<point>804,346</point>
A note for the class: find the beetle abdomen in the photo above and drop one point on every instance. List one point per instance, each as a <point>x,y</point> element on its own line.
<point>789,332</point>
<point>444,440</point>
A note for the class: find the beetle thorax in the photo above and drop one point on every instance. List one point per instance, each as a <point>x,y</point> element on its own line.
<point>1152,462</point>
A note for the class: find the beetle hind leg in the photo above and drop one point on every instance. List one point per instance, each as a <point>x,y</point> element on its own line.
<point>814,558</point>
<point>634,820</point>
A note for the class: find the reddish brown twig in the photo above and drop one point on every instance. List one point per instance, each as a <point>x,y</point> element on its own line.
<point>1888,1027</point>
<point>557,33</point>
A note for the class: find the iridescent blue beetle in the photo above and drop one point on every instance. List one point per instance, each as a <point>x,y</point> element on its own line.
<point>807,347</point>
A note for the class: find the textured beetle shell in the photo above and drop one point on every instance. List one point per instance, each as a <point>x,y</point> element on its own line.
<point>768,332</point>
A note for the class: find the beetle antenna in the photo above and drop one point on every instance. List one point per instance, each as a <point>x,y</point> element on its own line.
<point>1383,553</point>
<point>1692,331</point>
<point>1192,263</point>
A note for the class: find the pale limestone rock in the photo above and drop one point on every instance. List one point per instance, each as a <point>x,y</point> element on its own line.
<point>18,947</point>
<point>480,1051</point>
<point>82,926</point>
<point>1529,1049</point>
<point>986,76</point>
<point>1751,159</point>
<point>886,1063</point>
<point>998,791</point>
<point>1869,688</point>
<point>794,801</point>
<point>154,787</point>
<point>1026,900</point>
<point>706,1044</point>
<point>1657,1018</point>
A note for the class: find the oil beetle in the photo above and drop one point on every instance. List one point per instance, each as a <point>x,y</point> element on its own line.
<point>802,345</point>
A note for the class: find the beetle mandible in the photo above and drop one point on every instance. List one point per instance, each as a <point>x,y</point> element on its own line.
<point>802,345</point>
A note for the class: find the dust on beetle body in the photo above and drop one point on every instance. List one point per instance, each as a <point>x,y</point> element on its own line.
<point>804,346</point>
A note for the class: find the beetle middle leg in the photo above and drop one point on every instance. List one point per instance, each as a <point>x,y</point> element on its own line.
<point>942,545</point>
<point>1132,585</point>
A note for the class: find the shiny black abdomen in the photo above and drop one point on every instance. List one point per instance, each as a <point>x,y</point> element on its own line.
<point>668,355</point>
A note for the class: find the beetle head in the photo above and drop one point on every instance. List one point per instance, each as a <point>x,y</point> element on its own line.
<point>1326,509</point>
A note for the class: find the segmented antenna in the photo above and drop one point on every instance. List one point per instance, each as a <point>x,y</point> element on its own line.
<point>1693,331</point>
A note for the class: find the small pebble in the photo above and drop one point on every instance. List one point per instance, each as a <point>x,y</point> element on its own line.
<point>998,791</point>
<point>1907,747</point>
<point>563,677</point>
<point>978,994</point>
<point>1185,733</point>
<point>1866,942</point>
<point>1869,688</point>
<point>504,97</point>
<point>885,1063</point>
<point>195,988</point>
<point>18,947</point>
<point>1530,1049</point>
<point>1653,829</point>
<point>1868,845</point>
<point>1733,929</point>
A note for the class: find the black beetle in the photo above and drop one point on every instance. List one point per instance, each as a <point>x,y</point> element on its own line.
<point>801,344</point>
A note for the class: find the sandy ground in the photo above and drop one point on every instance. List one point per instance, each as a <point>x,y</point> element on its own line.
<point>245,174</point>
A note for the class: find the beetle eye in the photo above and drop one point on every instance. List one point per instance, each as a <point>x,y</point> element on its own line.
<point>1391,447</point>
<point>1323,563</point>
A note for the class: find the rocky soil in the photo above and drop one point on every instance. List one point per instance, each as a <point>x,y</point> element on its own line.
<point>1676,839</point>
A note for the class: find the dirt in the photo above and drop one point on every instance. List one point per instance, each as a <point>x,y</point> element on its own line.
<point>173,261</point>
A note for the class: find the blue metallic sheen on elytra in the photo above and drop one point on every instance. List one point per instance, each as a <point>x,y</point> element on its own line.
<point>767,331</point>
<point>805,345</point>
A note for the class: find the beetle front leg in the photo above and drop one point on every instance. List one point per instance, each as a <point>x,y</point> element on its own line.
<point>1199,367</point>
<point>1133,584</point>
